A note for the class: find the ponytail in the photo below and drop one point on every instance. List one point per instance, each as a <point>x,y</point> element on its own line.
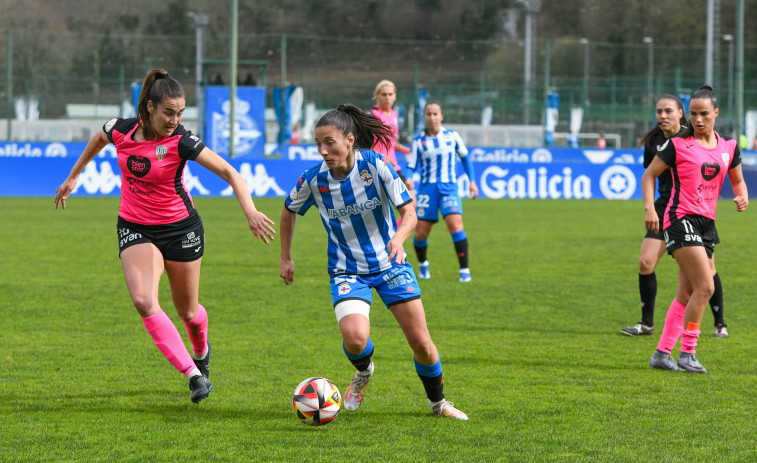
<point>368,129</point>
<point>156,86</point>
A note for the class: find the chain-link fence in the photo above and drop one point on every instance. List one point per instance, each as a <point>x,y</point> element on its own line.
<point>614,83</point>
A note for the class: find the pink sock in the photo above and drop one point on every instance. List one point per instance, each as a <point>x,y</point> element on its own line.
<point>168,340</point>
<point>689,341</point>
<point>197,328</point>
<point>673,327</point>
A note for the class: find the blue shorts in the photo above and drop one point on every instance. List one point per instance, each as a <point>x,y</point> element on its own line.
<point>394,286</point>
<point>433,197</point>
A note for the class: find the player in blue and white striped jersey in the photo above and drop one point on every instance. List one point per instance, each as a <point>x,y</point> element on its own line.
<point>434,154</point>
<point>354,191</point>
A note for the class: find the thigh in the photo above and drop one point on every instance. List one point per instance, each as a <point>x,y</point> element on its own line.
<point>449,200</point>
<point>694,267</point>
<point>184,278</point>
<point>143,267</point>
<point>397,285</point>
<point>427,202</point>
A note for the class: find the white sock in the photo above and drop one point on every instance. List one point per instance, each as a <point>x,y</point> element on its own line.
<point>200,356</point>
<point>193,373</point>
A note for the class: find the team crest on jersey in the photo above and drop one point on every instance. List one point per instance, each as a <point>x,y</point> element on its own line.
<point>293,194</point>
<point>725,157</point>
<point>366,177</point>
<point>160,151</point>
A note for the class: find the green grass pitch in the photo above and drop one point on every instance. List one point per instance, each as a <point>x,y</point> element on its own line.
<point>531,348</point>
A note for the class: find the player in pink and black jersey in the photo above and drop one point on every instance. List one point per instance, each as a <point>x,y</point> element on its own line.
<point>158,226</point>
<point>697,162</point>
<point>670,123</point>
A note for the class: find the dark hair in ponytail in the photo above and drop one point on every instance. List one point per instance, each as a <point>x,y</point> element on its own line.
<point>157,85</point>
<point>647,137</point>
<point>368,129</point>
<point>705,91</point>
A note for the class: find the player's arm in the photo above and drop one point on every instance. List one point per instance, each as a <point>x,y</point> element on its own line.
<point>655,169</point>
<point>402,148</point>
<point>260,225</point>
<point>405,229</point>
<point>741,196</point>
<point>94,146</point>
<point>286,229</point>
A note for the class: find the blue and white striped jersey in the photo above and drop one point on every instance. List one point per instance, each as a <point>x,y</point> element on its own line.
<point>435,156</point>
<point>356,211</point>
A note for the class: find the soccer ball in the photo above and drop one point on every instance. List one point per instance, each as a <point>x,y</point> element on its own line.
<point>316,401</point>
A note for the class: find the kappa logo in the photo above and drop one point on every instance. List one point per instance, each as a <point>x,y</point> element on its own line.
<point>323,188</point>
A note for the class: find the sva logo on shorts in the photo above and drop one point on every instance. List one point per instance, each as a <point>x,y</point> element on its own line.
<point>689,237</point>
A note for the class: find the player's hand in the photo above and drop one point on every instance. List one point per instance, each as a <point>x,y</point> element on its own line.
<point>652,221</point>
<point>741,203</point>
<point>473,190</point>
<point>286,270</point>
<point>262,227</point>
<point>396,250</point>
<point>63,192</point>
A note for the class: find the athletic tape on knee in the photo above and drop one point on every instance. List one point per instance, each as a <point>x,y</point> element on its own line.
<point>352,306</point>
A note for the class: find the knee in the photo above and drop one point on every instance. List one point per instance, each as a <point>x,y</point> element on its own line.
<point>647,264</point>
<point>144,304</point>
<point>354,343</point>
<point>708,289</point>
<point>423,348</point>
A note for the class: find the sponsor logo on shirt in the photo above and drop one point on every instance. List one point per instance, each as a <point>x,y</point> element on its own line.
<point>138,165</point>
<point>109,125</point>
<point>710,170</point>
<point>354,209</point>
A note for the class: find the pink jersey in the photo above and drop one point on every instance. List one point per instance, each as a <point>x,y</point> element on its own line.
<point>392,121</point>
<point>152,173</point>
<point>698,174</point>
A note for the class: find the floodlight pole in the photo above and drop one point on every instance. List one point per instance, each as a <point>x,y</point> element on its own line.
<point>739,67</point>
<point>233,76</point>
<point>650,72</point>
<point>9,51</point>
<point>200,20</point>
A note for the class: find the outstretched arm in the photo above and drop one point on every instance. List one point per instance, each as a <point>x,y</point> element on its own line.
<point>95,145</point>
<point>260,225</point>
<point>286,265</point>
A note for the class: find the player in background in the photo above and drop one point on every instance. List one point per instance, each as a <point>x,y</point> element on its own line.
<point>699,161</point>
<point>158,226</point>
<point>354,191</point>
<point>671,122</point>
<point>385,95</point>
<point>434,155</point>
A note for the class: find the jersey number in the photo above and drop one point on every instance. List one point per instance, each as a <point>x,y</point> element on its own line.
<point>423,201</point>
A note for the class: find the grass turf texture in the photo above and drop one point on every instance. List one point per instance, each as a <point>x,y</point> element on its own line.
<point>531,347</point>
